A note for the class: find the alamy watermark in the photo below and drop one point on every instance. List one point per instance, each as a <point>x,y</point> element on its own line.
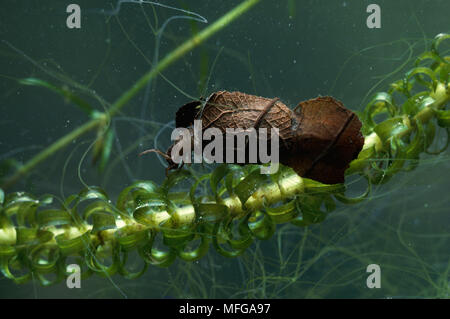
<point>73,21</point>
<point>237,142</point>
<point>374,19</point>
<point>74,279</point>
<point>374,279</point>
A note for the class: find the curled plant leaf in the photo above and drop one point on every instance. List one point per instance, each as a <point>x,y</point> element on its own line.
<point>418,72</point>
<point>438,39</point>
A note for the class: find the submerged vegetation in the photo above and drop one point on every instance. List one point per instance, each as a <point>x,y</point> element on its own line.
<point>229,208</point>
<point>235,206</point>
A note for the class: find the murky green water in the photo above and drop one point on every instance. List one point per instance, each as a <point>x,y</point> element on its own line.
<point>294,50</point>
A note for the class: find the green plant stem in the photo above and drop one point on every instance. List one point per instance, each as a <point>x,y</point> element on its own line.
<point>441,96</point>
<point>130,93</point>
<point>285,188</point>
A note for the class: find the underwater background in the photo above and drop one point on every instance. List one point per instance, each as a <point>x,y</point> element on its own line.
<point>294,50</point>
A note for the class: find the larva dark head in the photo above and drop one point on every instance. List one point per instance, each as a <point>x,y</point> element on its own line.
<point>187,113</point>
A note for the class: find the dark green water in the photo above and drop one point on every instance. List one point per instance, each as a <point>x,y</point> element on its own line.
<point>294,50</point>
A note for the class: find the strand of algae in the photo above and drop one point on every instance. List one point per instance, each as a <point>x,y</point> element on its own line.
<point>100,118</point>
<point>144,211</point>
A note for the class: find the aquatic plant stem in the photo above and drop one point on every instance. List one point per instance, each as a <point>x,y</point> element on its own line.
<point>172,57</point>
<point>441,96</point>
<point>274,192</point>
